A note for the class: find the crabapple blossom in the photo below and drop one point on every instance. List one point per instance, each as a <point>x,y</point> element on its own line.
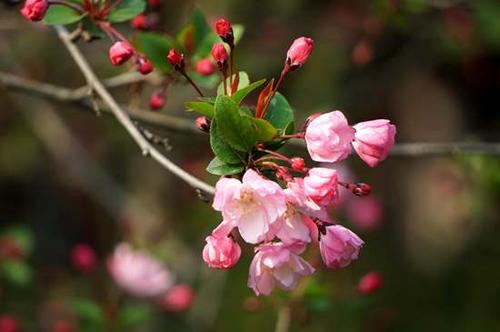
<point>370,283</point>
<point>9,324</point>
<point>293,228</point>
<point>140,22</point>
<point>365,213</point>
<point>339,246</point>
<point>138,272</point>
<point>83,257</point>
<point>178,298</point>
<point>176,59</point>
<point>202,123</point>
<point>221,252</point>
<point>157,101</point>
<point>277,265</point>
<point>373,140</point>
<point>34,10</point>
<point>219,53</point>
<point>299,52</point>
<point>328,137</point>
<point>255,205</point>
<point>320,185</point>
<point>144,66</point>
<point>204,67</point>
<point>120,52</point>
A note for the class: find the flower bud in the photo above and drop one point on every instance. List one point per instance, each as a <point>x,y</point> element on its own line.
<point>299,52</point>
<point>373,140</point>
<point>34,10</point>
<point>360,189</point>
<point>219,53</point>
<point>203,124</point>
<point>9,324</point>
<point>178,298</point>
<point>370,283</point>
<point>154,3</point>
<point>144,66</point>
<point>221,252</point>
<point>339,246</point>
<point>224,30</point>
<point>120,52</point>
<point>204,67</point>
<point>140,22</point>
<point>298,164</point>
<point>176,59</point>
<point>83,257</point>
<point>157,101</point>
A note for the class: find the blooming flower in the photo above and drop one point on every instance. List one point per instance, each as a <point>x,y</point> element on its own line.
<point>178,298</point>
<point>328,137</point>
<point>339,246</point>
<point>373,140</point>
<point>320,184</point>
<point>204,67</point>
<point>34,10</point>
<point>254,205</point>
<point>277,265</point>
<point>120,52</point>
<point>299,51</point>
<point>83,257</point>
<point>221,252</point>
<point>138,272</point>
<point>293,228</point>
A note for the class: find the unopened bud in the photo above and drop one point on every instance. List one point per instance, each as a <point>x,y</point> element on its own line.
<point>176,59</point>
<point>360,189</point>
<point>204,67</point>
<point>120,52</point>
<point>157,101</point>
<point>299,52</point>
<point>144,66</point>
<point>203,124</point>
<point>34,10</point>
<point>298,164</point>
<point>178,298</point>
<point>224,30</point>
<point>219,53</point>
<point>9,324</point>
<point>283,174</point>
<point>140,22</point>
<point>83,257</point>
<point>370,283</point>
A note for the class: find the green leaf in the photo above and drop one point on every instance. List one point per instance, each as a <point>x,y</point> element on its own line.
<point>280,113</point>
<point>87,310</point>
<point>239,95</point>
<point>17,272</point>
<point>265,130</point>
<point>236,130</point>
<point>218,167</point>
<point>238,31</point>
<point>127,10</point>
<point>244,81</point>
<point>134,314</point>
<point>156,47</point>
<point>221,149</point>
<point>201,27</point>
<point>93,30</point>
<point>200,107</point>
<point>23,236</point>
<point>58,14</point>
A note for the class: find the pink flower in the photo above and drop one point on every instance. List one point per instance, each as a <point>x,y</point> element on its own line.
<point>34,10</point>
<point>120,52</point>
<point>204,67</point>
<point>373,140</point>
<point>9,324</point>
<point>299,52</point>
<point>221,252</point>
<point>296,195</point>
<point>219,53</point>
<point>83,257</point>
<point>320,184</point>
<point>339,246</point>
<point>254,205</point>
<point>138,272</point>
<point>370,283</point>
<point>178,298</point>
<point>277,265</point>
<point>293,228</point>
<point>365,213</point>
<point>328,137</point>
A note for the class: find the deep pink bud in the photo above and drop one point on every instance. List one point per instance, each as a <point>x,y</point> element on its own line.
<point>144,66</point>
<point>203,123</point>
<point>179,298</point>
<point>204,67</point>
<point>157,101</point>
<point>140,22</point>
<point>299,52</point>
<point>370,283</point>
<point>9,324</point>
<point>120,52</point>
<point>176,59</point>
<point>83,257</point>
<point>298,164</point>
<point>339,246</point>
<point>219,53</point>
<point>221,252</point>
<point>34,10</point>
<point>224,30</point>
<point>360,188</point>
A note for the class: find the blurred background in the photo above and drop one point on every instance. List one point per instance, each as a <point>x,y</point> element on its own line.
<point>69,177</point>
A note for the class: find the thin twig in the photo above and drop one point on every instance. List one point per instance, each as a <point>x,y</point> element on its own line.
<point>124,119</point>
<point>283,321</point>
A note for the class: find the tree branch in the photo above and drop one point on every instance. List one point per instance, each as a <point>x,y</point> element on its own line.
<point>124,119</point>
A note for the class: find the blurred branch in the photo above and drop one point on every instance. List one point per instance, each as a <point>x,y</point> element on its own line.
<point>283,322</point>
<point>124,119</point>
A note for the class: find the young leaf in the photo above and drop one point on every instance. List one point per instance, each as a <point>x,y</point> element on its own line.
<point>58,14</point>
<point>201,27</point>
<point>239,95</point>
<point>280,113</point>
<point>87,310</point>
<point>243,82</point>
<point>126,10</point>
<point>238,31</point>
<point>265,130</point>
<point>134,314</point>
<point>236,130</point>
<point>200,107</point>
<point>17,272</point>
<point>155,47</point>
<point>221,149</point>
<point>218,167</point>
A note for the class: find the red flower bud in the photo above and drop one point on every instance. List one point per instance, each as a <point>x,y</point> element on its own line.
<point>83,257</point>
<point>140,22</point>
<point>298,164</point>
<point>9,324</point>
<point>299,52</point>
<point>120,52</point>
<point>179,298</point>
<point>202,123</point>
<point>204,67</point>
<point>219,53</point>
<point>157,101</point>
<point>224,30</point>
<point>370,283</point>
<point>144,66</point>
<point>34,10</point>
<point>360,189</point>
<point>176,59</point>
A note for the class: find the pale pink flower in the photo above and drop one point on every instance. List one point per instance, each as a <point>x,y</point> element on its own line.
<point>293,228</point>
<point>255,206</point>
<point>328,137</point>
<point>138,272</point>
<point>320,184</point>
<point>299,51</point>
<point>365,213</point>
<point>339,246</point>
<point>221,252</point>
<point>178,298</point>
<point>373,140</point>
<point>277,265</point>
